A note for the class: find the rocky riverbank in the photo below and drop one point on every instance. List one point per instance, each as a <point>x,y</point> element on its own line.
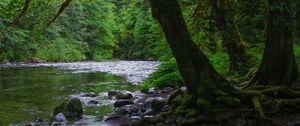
<point>129,108</point>
<point>92,103</point>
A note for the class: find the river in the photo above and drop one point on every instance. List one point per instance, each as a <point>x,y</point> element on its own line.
<point>28,91</point>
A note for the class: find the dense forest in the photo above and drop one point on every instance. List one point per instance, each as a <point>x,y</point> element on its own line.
<point>228,54</point>
<point>84,31</point>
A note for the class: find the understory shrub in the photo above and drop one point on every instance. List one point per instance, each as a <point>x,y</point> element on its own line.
<point>166,75</point>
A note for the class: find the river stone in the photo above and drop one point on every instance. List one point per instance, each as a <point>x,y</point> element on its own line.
<point>155,103</point>
<point>167,90</point>
<point>71,108</point>
<point>126,95</point>
<point>60,117</point>
<point>113,117</point>
<point>38,119</point>
<point>112,93</point>
<point>29,124</point>
<point>148,112</point>
<point>151,120</point>
<point>58,124</point>
<point>152,91</point>
<point>93,102</point>
<point>89,95</point>
<point>135,120</point>
<point>122,102</point>
<point>127,109</point>
<point>166,108</point>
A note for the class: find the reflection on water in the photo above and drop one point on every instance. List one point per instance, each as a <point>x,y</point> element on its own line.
<point>26,93</point>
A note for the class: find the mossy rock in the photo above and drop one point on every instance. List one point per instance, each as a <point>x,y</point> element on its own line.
<point>121,95</point>
<point>71,108</point>
<point>176,97</point>
<point>158,104</point>
<point>59,109</point>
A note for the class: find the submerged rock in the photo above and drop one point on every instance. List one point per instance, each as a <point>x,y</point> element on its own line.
<point>89,95</point>
<point>124,96</point>
<point>60,117</point>
<point>112,93</point>
<point>93,102</point>
<point>122,102</point>
<point>127,109</point>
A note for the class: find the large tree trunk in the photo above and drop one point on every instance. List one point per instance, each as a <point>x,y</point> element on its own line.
<point>198,74</point>
<point>226,23</point>
<point>278,66</point>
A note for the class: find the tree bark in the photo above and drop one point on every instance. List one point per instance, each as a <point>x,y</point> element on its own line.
<point>197,72</point>
<point>61,9</point>
<point>24,11</point>
<point>278,66</point>
<point>226,23</point>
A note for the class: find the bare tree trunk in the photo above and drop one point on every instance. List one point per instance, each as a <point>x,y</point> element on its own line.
<point>278,66</point>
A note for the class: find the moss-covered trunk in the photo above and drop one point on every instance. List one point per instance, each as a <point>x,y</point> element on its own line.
<point>204,84</point>
<point>278,66</point>
<point>226,23</point>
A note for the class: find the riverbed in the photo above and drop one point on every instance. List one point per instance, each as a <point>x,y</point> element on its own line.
<point>30,91</point>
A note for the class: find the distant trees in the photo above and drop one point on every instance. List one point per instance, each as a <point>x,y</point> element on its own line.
<point>137,34</point>
<point>78,30</point>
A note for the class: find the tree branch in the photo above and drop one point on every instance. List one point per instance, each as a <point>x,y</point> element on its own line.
<point>61,9</point>
<point>24,11</point>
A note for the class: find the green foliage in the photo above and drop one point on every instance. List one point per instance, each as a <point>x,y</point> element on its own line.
<point>256,52</point>
<point>297,54</point>
<point>220,61</point>
<point>138,36</point>
<point>84,31</point>
<point>167,75</point>
<point>14,44</point>
<point>59,50</point>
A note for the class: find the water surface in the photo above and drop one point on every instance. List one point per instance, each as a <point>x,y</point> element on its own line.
<point>30,92</point>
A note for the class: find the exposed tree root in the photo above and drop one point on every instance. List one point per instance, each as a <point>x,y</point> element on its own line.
<point>260,110</point>
<point>258,104</point>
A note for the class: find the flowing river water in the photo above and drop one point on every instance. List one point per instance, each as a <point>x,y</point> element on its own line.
<point>29,91</point>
